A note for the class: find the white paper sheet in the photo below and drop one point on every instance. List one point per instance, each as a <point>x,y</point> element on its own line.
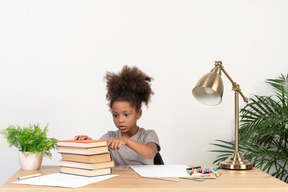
<point>64,180</point>
<point>161,170</point>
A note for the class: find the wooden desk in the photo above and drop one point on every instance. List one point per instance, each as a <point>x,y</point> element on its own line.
<point>128,180</point>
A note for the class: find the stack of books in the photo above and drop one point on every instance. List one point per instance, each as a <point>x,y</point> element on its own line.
<point>85,157</point>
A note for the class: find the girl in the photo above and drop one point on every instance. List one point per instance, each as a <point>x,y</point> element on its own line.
<point>130,144</point>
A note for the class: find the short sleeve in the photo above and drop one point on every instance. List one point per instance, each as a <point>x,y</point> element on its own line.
<point>151,136</point>
<point>104,137</point>
<point>109,135</point>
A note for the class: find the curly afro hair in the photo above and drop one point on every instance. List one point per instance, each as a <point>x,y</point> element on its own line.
<point>131,85</point>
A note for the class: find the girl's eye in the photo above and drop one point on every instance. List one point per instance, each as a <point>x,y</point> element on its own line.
<point>127,115</point>
<point>115,115</point>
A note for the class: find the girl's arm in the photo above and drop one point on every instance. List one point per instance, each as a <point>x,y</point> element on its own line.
<point>147,151</point>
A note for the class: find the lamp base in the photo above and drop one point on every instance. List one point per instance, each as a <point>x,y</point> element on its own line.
<point>236,162</point>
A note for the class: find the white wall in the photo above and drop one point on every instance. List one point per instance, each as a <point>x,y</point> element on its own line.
<point>54,55</point>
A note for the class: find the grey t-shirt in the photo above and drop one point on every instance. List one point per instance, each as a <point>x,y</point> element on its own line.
<point>125,155</point>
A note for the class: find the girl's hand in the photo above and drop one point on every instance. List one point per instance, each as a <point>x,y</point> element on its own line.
<point>116,143</point>
<point>82,137</point>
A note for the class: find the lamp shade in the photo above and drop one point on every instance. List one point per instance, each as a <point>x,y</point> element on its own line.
<point>209,89</point>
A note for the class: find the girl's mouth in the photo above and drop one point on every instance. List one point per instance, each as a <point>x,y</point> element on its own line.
<point>121,127</point>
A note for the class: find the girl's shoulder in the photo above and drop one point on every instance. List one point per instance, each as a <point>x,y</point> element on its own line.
<point>145,132</point>
<point>111,134</point>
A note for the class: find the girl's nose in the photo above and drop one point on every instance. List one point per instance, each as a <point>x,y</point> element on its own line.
<point>121,119</point>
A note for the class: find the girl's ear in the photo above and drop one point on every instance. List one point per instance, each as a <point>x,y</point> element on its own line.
<point>139,113</point>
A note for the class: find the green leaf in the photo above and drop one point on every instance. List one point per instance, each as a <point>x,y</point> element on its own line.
<point>30,139</point>
<point>263,132</point>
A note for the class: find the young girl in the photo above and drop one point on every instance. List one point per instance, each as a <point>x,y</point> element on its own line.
<point>130,144</point>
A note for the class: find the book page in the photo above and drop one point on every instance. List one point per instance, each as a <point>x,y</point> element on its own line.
<point>161,170</point>
<point>63,180</point>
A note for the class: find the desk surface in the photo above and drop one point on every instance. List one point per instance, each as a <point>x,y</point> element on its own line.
<point>128,180</point>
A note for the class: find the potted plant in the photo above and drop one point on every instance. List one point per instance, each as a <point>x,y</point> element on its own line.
<point>32,143</point>
<point>263,133</point>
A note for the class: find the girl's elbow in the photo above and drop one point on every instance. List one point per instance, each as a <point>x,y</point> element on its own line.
<point>151,155</point>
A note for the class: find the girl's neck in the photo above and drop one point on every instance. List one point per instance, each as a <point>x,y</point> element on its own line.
<point>131,133</point>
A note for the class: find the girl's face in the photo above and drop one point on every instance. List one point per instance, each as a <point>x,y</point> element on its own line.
<point>125,117</point>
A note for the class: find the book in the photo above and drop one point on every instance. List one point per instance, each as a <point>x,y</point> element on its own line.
<point>82,143</point>
<point>85,172</point>
<point>83,151</point>
<point>103,157</point>
<point>87,165</point>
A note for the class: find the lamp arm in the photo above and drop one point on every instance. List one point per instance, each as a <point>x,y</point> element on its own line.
<point>235,86</point>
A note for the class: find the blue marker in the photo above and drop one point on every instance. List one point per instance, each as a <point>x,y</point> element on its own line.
<point>215,169</point>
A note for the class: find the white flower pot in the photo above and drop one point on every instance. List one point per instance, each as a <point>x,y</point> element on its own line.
<point>30,161</point>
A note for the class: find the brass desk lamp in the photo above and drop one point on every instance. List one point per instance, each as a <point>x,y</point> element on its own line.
<point>209,91</point>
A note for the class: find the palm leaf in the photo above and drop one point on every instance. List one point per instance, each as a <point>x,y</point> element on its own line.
<point>263,132</point>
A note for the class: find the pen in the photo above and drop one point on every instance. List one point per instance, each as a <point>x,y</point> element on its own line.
<point>28,176</point>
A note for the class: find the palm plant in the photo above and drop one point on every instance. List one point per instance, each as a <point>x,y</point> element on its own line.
<point>263,132</point>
